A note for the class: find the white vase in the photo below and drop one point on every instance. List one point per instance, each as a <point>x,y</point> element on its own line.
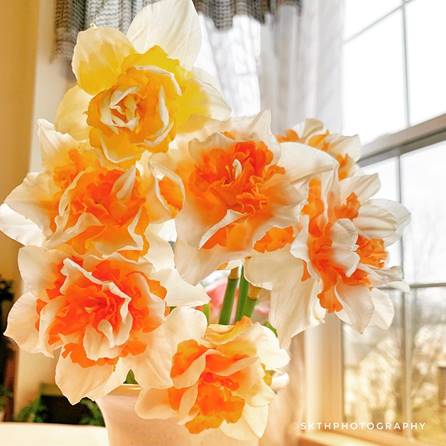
<point>125,428</point>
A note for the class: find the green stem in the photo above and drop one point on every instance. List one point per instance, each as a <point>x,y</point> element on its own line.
<point>206,311</point>
<point>249,307</point>
<point>228,301</point>
<point>251,300</point>
<point>130,378</point>
<point>242,293</point>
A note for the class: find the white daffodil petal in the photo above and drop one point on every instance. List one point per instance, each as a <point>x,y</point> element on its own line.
<point>268,349</point>
<point>154,404</point>
<point>195,264</point>
<point>344,236</point>
<point>97,345</point>
<point>389,277</point>
<point>71,114</point>
<point>152,368</point>
<point>179,292</point>
<point>166,231</point>
<point>230,217</point>
<point>63,235</point>
<point>257,418</point>
<point>310,127</point>
<point>187,402</point>
<point>302,162</point>
<point>19,228</point>
<point>384,310</point>
<point>357,305</point>
<point>29,198</point>
<point>364,187</point>
<point>22,323</point>
<point>255,128</point>
<point>251,425</point>
<point>216,104</point>
<point>171,24</point>
<point>295,307</point>
<point>160,253</point>
<point>239,365</point>
<point>185,323</point>
<point>46,319</point>
<point>77,382</point>
<point>98,56</point>
<point>270,268</point>
<point>36,265</point>
<point>345,145</point>
<point>197,148</point>
<point>192,374</point>
<point>382,219</point>
<point>299,246</point>
<point>124,185</point>
<point>52,143</point>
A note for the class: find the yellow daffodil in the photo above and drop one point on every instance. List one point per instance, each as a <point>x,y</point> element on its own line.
<point>136,92</point>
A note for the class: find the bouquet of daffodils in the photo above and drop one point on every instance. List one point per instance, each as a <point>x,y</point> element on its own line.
<point>147,187</point>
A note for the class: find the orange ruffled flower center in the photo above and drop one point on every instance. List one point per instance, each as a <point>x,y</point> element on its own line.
<point>151,99</point>
<point>320,142</point>
<point>320,245</point>
<point>275,238</point>
<point>64,175</point>
<point>240,178</point>
<point>95,193</point>
<point>86,304</point>
<point>218,399</point>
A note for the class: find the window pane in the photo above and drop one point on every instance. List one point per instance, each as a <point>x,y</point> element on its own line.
<point>428,380</point>
<point>373,372</point>
<point>424,186</point>
<point>388,175</point>
<point>373,81</point>
<point>361,13</point>
<point>426,34</point>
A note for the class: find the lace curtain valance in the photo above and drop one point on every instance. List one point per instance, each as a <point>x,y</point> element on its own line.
<point>73,16</point>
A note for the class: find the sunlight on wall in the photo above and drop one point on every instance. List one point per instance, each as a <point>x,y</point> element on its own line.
<point>32,83</point>
<point>17,34</point>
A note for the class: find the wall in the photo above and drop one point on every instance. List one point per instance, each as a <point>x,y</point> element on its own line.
<point>32,82</point>
<point>17,37</point>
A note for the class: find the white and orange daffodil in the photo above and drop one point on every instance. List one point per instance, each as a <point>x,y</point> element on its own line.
<point>136,92</point>
<point>337,261</point>
<point>84,203</point>
<point>107,316</point>
<point>240,187</point>
<point>345,149</point>
<point>221,377</point>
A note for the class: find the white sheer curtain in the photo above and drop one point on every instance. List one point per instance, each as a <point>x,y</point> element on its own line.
<point>292,66</point>
<point>301,64</point>
<point>232,57</point>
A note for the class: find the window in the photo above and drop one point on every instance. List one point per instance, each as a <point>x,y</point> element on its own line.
<point>394,97</point>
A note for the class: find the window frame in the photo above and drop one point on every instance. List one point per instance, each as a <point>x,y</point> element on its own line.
<point>325,394</point>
